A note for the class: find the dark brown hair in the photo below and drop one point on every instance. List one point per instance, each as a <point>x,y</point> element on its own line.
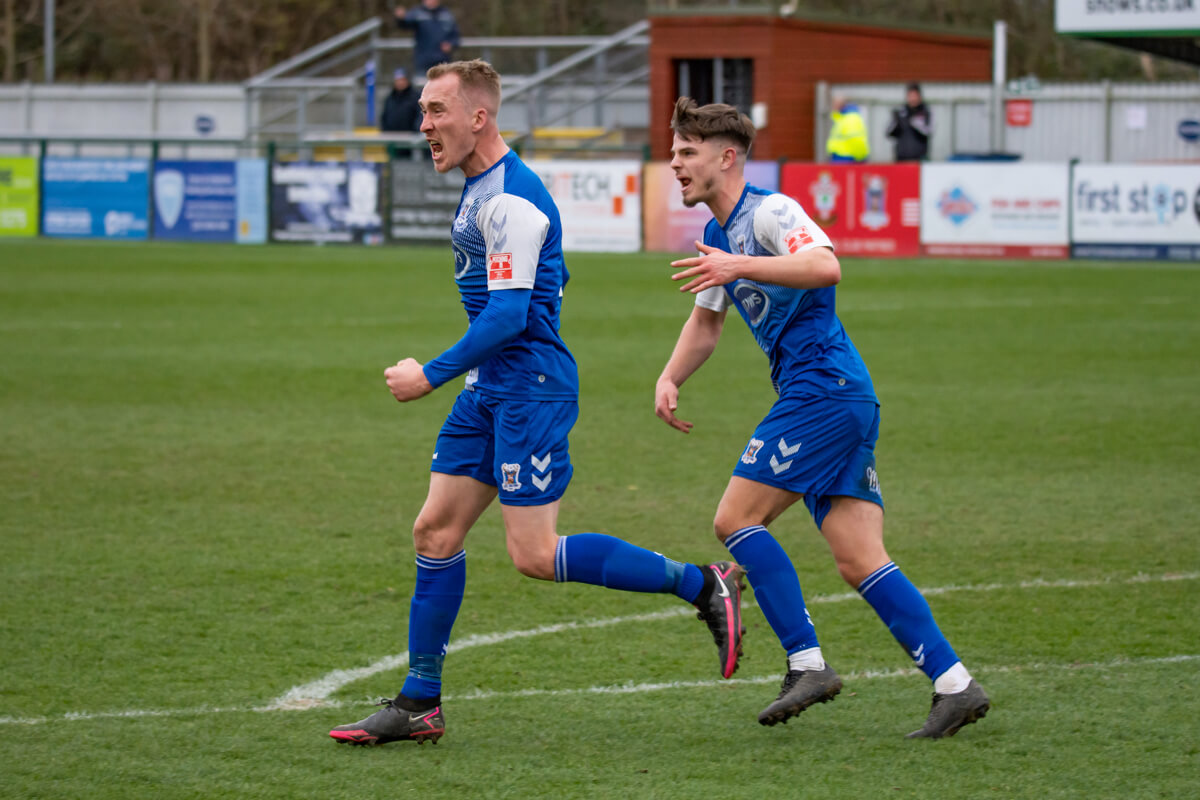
<point>713,121</point>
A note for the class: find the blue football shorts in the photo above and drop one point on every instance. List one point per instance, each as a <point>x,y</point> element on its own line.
<point>517,446</point>
<point>815,446</point>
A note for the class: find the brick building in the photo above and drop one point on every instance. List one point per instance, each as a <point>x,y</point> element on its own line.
<point>744,59</point>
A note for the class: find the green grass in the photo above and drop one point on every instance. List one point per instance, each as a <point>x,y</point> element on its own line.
<point>207,493</point>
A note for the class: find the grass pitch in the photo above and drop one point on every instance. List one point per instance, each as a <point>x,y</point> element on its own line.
<point>207,493</point>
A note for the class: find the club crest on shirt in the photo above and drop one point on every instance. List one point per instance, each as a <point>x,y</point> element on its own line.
<point>751,454</point>
<point>460,221</point>
<point>511,474</point>
<point>500,267</point>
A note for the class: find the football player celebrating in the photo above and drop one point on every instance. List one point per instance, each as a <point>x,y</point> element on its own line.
<point>506,435</point>
<point>763,255</point>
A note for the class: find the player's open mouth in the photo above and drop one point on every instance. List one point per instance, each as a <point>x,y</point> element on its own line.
<point>435,148</point>
<point>684,183</point>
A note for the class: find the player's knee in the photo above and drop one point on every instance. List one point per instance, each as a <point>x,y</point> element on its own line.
<point>850,573</point>
<point>725,525</point>
<point>532,562</point>
<point>855,568</point>
<point>433,540</point>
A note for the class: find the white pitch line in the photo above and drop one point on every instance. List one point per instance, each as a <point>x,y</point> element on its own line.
<point>315,693</point>
<point>865,675</point>
<point>627,688</point>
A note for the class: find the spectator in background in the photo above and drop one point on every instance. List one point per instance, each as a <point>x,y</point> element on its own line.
<point>911,126</point>
<point>847,140</point>
<point>435,33</point>
<point>401,110</point>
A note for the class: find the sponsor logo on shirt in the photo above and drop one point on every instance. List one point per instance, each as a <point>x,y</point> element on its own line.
<point>797,238</point>
<point>753,300</point>
<point>500,266</point>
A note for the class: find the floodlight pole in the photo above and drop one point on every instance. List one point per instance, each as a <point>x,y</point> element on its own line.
<point>999,73</point>
<point>48,41</point>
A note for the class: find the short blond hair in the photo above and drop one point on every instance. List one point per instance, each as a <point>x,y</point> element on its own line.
<point>476,77</point>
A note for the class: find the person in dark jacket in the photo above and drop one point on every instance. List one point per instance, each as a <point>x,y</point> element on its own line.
<point>401,111</point>
<point>435,33</point>
<point>911,127</point>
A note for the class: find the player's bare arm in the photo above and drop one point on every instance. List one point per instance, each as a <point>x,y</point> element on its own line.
<point>696,343</point>
<point>407,380</point>
<point>814,268</point>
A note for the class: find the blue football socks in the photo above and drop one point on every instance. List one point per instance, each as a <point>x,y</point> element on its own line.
<point>616,564</point>
<point>435,603</point>
<point>907,615</point>
<point>776,586</point>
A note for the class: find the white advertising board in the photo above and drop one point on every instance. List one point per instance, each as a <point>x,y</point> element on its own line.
<point>1140,211</point>
<point>600,203</point>
<point>994,210</point>
<point>1127,17</point>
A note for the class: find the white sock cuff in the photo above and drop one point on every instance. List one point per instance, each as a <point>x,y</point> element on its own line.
<point>952,681</point>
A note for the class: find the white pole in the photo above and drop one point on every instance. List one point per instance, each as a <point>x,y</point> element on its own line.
<point>999,71</point>
<point>48,41</point>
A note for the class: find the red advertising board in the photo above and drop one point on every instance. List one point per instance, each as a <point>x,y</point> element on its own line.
<point>1018,113</point>
<point>867,209</point>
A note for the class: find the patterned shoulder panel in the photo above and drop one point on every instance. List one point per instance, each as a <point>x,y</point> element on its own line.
<point>470,246</point>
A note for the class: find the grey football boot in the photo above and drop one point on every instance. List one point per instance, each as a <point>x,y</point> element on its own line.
<point>950,712</point>
<point>397,721</point>
<point>801,689</point>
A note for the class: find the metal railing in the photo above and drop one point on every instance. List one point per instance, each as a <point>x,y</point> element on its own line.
<point>297,98</point>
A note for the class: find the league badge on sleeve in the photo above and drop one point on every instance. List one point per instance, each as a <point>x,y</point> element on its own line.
<point>797,238</point>
<point>500,267</point>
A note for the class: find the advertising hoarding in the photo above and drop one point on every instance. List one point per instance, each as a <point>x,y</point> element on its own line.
<point>195,200</point>
<point>424,201</point>
<point>672,227</point>
<point>599,202</point>
<point>96,197</point>
<point>18,196</point>
<point>211,201</point>
<point>866,209</point>
<point>1127,17</point>
<point>326,202</point>
<point>251,202</point>
<point>994,210</point>
<point>1136,211</point>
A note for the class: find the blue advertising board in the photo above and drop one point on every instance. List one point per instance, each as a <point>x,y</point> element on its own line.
<point>95,197</point>
<point>252,200</point>
<point>195,200</point>
<point>326,202</point>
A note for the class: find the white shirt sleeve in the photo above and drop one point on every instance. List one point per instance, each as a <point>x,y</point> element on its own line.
<point>514,231</point>
<point>782,226</point>
<point>714,298</point>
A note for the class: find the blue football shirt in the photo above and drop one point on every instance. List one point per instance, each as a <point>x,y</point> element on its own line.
<point>507,235</point>
<point>798,329</point>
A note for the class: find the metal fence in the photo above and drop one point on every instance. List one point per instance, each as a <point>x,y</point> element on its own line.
<point>1094,122</point>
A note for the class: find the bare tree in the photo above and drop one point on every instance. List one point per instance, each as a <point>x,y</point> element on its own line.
<point>229,40</point>
<point>10,41</point>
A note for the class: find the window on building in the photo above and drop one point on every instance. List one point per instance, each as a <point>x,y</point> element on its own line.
<point>717,80</point>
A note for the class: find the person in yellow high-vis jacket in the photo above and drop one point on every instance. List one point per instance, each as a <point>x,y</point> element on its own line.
<point>847,141</point>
